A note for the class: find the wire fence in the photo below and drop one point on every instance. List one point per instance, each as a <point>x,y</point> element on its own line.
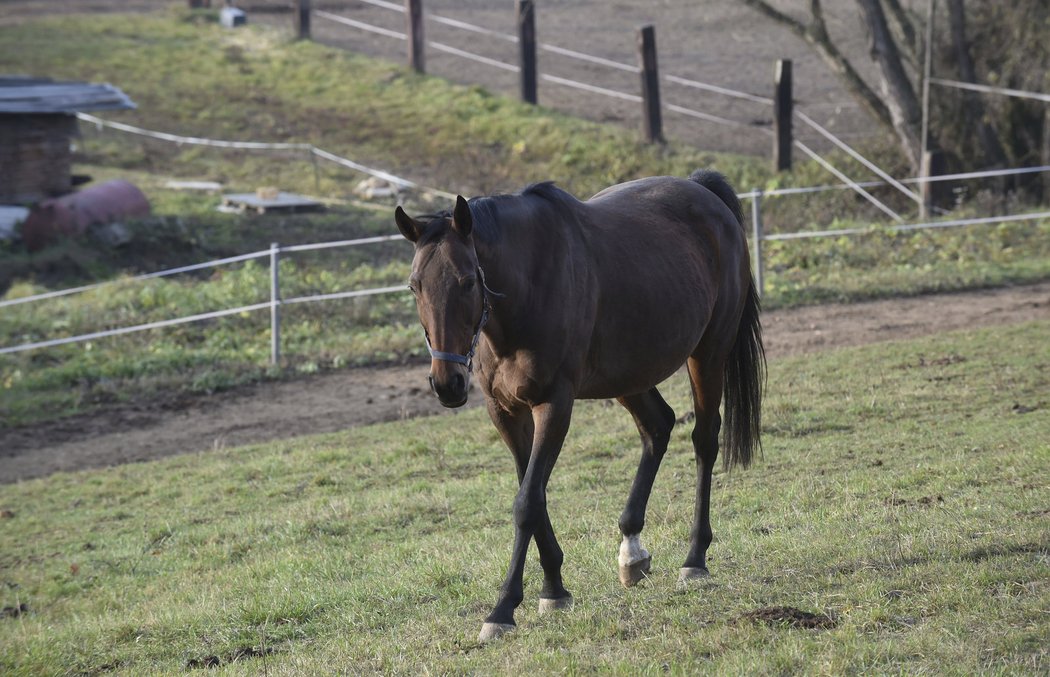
<point>276,251</point>
<point>756,196</point>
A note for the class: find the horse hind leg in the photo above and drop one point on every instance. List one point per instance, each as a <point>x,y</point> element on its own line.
<point>655,420</point>
<point>706,375</point>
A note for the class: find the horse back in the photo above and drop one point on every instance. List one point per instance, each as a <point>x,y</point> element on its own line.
<point>667,256</point>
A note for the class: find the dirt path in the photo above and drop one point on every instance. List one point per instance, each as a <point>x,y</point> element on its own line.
<point>357,397</point>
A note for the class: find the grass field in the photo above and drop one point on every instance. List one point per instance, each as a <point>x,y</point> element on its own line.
<point>191,77</point>
<point>902,499</point>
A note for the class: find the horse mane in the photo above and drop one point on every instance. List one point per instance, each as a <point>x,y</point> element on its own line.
<point>494,213</point>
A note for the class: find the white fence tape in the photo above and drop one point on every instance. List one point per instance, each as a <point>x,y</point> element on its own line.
<point>857,156</point>
<point>261,145</point>
<point>400,288</point>
<point>566,82</point>
<point>138,327</point>
<point>906,227</point>
<point>848,181</point>
<point>1005,91</point>
<point>147,276</point>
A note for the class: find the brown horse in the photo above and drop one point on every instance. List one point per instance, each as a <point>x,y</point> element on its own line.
<point>598,299</point>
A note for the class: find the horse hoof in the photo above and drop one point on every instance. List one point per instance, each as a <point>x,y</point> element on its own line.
<point>555,603</point>
<point>631,574</point>
<point>687,575</point>
<point>492,631</point>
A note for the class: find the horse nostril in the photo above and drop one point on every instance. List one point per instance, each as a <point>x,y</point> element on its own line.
<point>430,380</point>
<point>460,383</point>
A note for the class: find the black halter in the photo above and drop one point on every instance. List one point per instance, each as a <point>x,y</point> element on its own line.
<point>468,359</point>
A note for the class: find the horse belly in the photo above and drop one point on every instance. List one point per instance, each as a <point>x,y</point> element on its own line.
<point>642,342</point>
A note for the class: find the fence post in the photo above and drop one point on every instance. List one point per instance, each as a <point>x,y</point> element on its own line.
<point>782,107</point>
<point>302,19</point>
<point>414,18</point>
<point>275,304</point>
<point>527,43</point>
<point>652,124</point>
<point>932,192</point>
<point>756,225</point>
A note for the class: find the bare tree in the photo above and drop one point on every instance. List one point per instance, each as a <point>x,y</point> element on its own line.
<point>897,106</point>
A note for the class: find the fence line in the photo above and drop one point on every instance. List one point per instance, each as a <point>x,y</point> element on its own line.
<point>276,301</point>
<point>595,89</point>
<point>987,89</point>
<point>848,181</point>
<point>857,156</point>
<point>139,327</point>
<point>146,276</point>
<point>634,98</point>
<point>261,145</point>
<point>906,227</point>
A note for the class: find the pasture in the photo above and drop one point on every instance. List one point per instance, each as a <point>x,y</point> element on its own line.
<point>191,77</point>
<point>901,500</point>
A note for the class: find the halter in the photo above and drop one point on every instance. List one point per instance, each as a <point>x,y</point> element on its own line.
<point>468,359</point>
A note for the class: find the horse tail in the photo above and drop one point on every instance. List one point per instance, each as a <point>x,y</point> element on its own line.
<point>745,370</point>
<point>717,184</point>
<point>745,378</point>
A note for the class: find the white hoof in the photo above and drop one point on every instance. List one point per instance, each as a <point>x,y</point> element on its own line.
<point>634,561</point>
<point>634,573</point>
<point>492,631</point>
<point>687,575</point>
<point>555,604</point>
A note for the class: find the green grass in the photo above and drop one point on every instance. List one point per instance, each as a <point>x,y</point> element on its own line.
<point>901,492</point>
<point>192,77</point>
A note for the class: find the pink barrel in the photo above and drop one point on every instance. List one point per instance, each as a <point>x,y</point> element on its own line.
<point>72,214</point>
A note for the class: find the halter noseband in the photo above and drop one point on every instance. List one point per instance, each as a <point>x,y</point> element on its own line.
<point>468,359</point>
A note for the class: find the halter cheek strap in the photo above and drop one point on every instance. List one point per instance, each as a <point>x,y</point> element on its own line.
<point>468,359</point>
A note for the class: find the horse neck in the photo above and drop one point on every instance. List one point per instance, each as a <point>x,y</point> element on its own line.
<point>504,265</point>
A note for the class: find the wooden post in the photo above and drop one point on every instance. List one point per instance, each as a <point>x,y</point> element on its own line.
<point>932,192</point>
<point>302,19</point>
<point>414,17</point>
<point>652,124</point>
<point>527,43</point>
<point>275,304</point>
<point>782,108</point>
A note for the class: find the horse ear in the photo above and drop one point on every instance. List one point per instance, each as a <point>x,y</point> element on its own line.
<point>462,221</point>
<point>408,226</point>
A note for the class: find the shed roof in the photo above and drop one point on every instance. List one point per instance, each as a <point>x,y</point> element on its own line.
<point>43,95</point>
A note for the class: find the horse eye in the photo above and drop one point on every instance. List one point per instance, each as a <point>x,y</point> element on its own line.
<point>468,284</point>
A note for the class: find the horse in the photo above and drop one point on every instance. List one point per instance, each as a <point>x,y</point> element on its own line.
<point>550,299</point>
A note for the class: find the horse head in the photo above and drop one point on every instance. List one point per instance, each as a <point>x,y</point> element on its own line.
<point>451,297</point>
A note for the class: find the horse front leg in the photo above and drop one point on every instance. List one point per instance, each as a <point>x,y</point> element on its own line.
<point>518,431</point>
<point>551,421</point>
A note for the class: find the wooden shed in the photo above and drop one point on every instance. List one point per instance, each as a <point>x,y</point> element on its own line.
<point>37,124</point>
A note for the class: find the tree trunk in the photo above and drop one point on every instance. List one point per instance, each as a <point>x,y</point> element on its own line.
<point>974,106</point>
<point>898,92</point>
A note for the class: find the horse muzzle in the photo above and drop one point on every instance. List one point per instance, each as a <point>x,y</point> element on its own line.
<point>452,390</point>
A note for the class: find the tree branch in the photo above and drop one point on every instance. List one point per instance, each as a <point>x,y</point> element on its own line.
<point>816,35</point>
<point>911,38</point>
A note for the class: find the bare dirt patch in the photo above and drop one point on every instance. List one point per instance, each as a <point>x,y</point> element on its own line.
<point>340,400</point>
<point>788,616</point>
